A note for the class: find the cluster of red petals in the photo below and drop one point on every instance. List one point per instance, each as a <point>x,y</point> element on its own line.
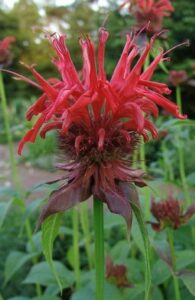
<point>99,121</point>
<point>117,274</point>
<point>150,11</point>
<point>4,49</point>
<point>130,94</point>
<point>177,77</point>
<point>170,213</point>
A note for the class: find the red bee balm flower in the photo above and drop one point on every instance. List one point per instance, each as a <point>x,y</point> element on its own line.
<point>4,50</point>
<point>170,213</point>
<point>150,11</point>
<point>99,121</point>
<point>117,274</point>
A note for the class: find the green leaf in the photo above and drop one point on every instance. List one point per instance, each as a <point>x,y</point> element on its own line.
<point>120,251</point>
<point>14,262</point>
<point>35,298</point>
<point>136,293</point>
<point>140,220</point>
<point>112,292</point>
<point>32,208</point>
<point>84,293</point>
<point>4,208</point>
<point>41,274</point>
<point>50,228</point>
<point>35,245</point>
<point>7,191</point>
<point>160,272</point>
<point>88,292</point>
<point>189,280</point>
<point>19,298</point>
<point>112,220</point>
<point>184,258</point>
<point>157,294</point>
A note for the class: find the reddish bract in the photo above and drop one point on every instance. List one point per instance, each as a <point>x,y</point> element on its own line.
<point>117,274</point>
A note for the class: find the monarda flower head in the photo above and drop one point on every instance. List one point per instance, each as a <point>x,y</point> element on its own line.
<point>169,213</point>
<point>99,121</point>
<point>5,56</point>
<point>152,11</point>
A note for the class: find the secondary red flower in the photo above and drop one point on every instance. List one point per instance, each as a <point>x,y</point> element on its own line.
<point>117,274</point>
<point>151,11</point>
<point>178,77</point>
<point>4,50</point>
<point>170,213</point>
<point>99,121</point>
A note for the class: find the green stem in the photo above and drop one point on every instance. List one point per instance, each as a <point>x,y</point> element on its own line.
<point>169,174</point>
<point>181,153</point>
<point>13,164</point>
<point>172,250</point>
<point>99,247</point>
<point>178,98</point>
<point>85,227</point>
<point>75,221</point>
<point>5,112</point>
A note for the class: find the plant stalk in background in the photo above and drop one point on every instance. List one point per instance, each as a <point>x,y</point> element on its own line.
<point>181,153</point>
<point>173,257</point>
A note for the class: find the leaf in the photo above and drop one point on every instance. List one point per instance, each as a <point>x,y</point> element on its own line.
<point>19,298</point>
<point>120,251</point>
<point>35,298</point>
<point>157,294</point>
<point>41,274</point>
<point>112,292</point>
<point>191,179</point>
<point>4,208</point>
<point>160,272</point>
<point>140,220</point>
<point>189,280</point>
<point>14,262</point>
<point>184,258</point>
<point>50,229</point>
<point>84,293</point>
<point>162,249</point>
<point>7,191</point>
<point>112,220</point>
<point>136,293</point>
<point>35,245</point>
<point>32,207</point>
<point>88,292</point>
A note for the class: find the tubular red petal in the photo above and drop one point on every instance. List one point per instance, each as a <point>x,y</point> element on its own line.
<point>120,68</point>
<point>36,108</point>
<point>103,36</point>
<point>50,126</point>
<point>86,64</point>
<point>101,138</point>
<point>48,89</point>
<point>91,54</point>
<point>65,63</point>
